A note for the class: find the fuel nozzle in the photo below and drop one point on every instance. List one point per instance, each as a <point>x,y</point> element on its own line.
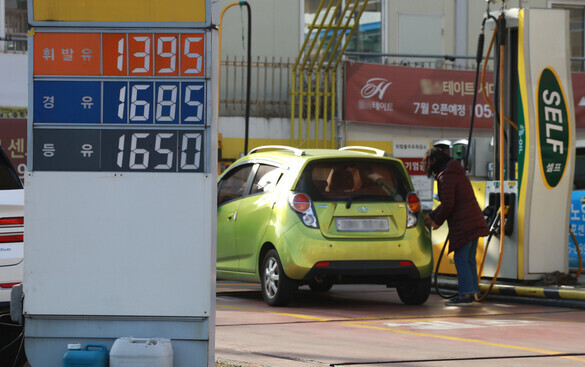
<point>497,221</point>
<point>493,213</point>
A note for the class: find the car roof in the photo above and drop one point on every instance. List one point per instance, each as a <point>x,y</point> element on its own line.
<point>295,158</point>
<point>290,154</point>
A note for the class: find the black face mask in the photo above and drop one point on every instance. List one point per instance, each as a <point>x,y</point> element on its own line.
<point>437,168</point>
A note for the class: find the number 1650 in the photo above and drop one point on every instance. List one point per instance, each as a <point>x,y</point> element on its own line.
<point>141,153</point>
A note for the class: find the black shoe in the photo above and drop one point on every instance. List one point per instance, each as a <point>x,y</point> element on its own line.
<point>460,301</point>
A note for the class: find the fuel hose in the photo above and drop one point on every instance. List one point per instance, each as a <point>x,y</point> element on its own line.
<point>435,282</point>
<point>499,33</point>
<point>502,211</point>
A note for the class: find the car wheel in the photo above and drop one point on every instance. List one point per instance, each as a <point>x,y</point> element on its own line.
<point>277,288</point>
<point>414,291</point>
<point>319,284</point>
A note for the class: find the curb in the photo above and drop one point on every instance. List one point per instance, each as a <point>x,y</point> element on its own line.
<point>563,292</point>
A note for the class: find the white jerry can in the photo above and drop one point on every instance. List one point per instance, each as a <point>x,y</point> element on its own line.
<point>141,352</point>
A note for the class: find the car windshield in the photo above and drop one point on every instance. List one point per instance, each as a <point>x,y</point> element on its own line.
<point>8,176</point>
<point>358,179</point>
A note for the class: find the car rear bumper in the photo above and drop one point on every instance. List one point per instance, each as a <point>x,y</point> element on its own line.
<point>301,250</point>
<point>363,271</point>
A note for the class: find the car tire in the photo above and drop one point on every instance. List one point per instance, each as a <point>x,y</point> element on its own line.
<point>414,291</point>
<point>320,285</point>
<point>277,288</point>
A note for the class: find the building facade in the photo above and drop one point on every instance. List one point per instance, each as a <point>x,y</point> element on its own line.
<point>426,33</point>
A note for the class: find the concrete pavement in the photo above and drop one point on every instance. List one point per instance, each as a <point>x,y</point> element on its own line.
<point>517,325</point>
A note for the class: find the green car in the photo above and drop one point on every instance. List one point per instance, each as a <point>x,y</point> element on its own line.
<point>289,217</point>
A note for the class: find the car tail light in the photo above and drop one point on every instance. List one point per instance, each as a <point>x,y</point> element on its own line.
<point>413,203</point>
<point>11,221</point>
<point>302,205</point>
<point>12,238</point>
<point>8,285</point>
<point>15,236</point>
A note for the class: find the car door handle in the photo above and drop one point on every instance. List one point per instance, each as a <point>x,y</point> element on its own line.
<point>233,216</point>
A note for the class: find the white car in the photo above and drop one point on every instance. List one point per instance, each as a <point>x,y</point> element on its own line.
<point>11,228</point>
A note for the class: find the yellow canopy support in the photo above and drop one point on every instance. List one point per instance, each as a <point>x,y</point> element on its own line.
<point>313,85</point>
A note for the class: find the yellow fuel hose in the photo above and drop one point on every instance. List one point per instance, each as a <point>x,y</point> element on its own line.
<point>502,156</point>
<point>483,72</point>
<point>443,295</point>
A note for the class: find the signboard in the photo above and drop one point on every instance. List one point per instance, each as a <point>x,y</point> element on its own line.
<point>121,176</point>
<point>546,124</point>
<point>411,152</point>
<point>554,128</point>
<point>155,12</point>
<point>13,141</point>
<point>414,96</point>
<point>577,223</point>
<point>150,81</point>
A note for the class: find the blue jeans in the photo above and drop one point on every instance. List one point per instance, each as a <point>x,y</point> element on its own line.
<point>467,268</point>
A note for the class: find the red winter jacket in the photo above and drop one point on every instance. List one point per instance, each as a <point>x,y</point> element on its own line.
<point>459,207</point>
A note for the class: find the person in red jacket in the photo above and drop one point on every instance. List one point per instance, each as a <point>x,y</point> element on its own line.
<point>465,219</point>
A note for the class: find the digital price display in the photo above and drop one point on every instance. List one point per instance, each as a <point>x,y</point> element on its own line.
<point>120,54</point>
<point>111,83</point>
<point>135,150</point>
<point>120,102</point>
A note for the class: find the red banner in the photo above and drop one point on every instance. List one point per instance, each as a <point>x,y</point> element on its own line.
<point>414,166</point>
<point>427,97</point>
<point>415,96</point>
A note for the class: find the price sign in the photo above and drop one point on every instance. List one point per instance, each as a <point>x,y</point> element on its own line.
<point>133,150</point>
<point>114,80</point>
<point>122,145</point>
<point>120,54</point>
<point>119,102</point>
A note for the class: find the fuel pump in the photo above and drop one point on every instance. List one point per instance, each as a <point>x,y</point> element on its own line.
<point>535,163</point>
<point>459,150</point>
<point>529,177</point>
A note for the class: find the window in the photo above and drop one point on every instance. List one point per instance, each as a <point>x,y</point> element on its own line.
<point>233,186</point>
<point>368,34</point>
<point>364,180</point>
<point>576,27</point>
<point>266,178</point>
<point>16,24</point>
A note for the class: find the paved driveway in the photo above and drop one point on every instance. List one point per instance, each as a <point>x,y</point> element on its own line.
<point>368,326</point>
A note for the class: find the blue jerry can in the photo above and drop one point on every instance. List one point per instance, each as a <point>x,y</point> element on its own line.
<point>93,355</point>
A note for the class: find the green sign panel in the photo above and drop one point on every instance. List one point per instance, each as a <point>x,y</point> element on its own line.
<point>553,127</point>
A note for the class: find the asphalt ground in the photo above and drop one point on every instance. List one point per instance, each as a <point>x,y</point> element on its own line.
<point>357,325</point>
<point>366,325</point>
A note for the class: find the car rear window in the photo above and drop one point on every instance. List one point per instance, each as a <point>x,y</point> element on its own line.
<point>8,177</point>
<point>361,179</point>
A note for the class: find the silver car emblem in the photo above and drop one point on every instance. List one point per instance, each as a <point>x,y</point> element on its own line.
<point>363,209</point>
